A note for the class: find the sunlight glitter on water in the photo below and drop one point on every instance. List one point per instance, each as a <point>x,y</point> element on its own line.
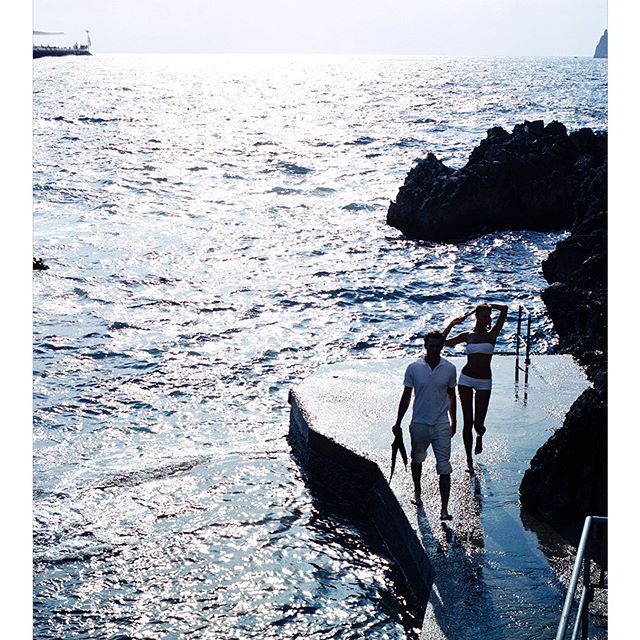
<point>215,231</point>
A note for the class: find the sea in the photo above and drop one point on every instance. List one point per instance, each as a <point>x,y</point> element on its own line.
<point>214,227</point>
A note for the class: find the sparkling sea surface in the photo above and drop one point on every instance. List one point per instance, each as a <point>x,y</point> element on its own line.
<point>215,231</point>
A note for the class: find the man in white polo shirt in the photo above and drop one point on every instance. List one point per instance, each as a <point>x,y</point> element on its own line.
<point>433,381</point>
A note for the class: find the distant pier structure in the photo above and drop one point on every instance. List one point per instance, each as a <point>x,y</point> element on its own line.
<point>41,51</point>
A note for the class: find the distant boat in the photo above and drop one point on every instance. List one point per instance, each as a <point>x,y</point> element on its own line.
<point>40,51</point>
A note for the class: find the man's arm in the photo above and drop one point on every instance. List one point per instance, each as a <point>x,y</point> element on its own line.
<point>451,405</point>
<point>405,401</point>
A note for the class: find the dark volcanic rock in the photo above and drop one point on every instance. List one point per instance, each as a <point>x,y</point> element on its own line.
<point>528,179</point>
<point>568,475</point>
<point>567,480</point>
<point>539,178</point>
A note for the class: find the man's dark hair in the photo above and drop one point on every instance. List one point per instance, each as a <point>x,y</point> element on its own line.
<point>434,334</point>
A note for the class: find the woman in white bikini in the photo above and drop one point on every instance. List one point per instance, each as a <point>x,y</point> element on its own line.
<point>476,373</point>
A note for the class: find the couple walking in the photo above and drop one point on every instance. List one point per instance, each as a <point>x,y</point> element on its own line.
<point>432,381</point>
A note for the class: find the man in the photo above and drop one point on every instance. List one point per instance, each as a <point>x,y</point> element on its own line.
<point>433,381</point>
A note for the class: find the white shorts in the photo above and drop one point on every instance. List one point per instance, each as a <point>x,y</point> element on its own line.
<point>436,435</point>
<point>479,384</point>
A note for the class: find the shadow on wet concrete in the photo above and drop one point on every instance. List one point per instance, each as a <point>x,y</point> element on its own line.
<point>482,576</point>
<point>460,606</point>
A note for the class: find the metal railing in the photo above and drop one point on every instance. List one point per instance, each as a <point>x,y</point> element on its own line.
<point>582,567</point>
<point>527,345</point>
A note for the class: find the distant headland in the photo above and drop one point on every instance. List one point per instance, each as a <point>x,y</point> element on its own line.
<point>602,48</point>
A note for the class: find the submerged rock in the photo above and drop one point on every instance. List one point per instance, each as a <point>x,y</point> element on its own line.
<point>539,178</point>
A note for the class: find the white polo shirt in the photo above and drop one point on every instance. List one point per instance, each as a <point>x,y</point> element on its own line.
<point>430,390</point>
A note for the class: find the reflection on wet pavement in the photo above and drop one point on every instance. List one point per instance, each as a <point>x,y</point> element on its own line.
<point>497,573</point>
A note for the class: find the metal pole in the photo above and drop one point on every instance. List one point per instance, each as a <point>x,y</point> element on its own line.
<point>586,592</point>
<point>566,609</point>
<point>526,357</point>
<point>581,607</point>
<point>518,343</point>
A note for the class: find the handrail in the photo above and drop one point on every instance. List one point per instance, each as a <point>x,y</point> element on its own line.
<point>582,565</point>
<point>527,341</point>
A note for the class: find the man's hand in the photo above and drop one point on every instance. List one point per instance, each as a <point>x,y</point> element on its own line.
<point>396,429</point>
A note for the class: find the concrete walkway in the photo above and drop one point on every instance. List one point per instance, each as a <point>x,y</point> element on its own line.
<point>493,572</point>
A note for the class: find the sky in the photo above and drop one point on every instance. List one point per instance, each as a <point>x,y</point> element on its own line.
<point>436,27</point>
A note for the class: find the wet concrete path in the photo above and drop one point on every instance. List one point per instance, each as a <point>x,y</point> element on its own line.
<point>497,572</point>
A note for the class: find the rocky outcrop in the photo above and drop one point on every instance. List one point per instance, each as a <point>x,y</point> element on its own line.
<point>529,179</point>
<point>567,479</point>
<point>577,272</point>
<point>39,265</point>
<point>602,48</point>
<point>539,178</point>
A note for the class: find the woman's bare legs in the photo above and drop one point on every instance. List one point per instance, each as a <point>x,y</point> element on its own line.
<point>482,404</point>
<point>466,401</point>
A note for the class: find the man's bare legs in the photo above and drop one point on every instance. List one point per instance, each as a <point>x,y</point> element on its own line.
<point>481,406</point>
<point>445,489</point>
<point>444,483</point>
<point>416,473</point>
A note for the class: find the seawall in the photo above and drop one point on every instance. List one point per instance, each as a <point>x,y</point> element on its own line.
<point>487,573</point>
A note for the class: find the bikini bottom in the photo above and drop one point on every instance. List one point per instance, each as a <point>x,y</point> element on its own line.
<point>479,384</point>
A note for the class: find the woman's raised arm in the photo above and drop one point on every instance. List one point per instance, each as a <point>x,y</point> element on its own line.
<point>503,308</point>
<point>462,337</point>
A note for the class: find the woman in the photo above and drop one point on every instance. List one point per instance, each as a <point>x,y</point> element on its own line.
<point>476,373</point>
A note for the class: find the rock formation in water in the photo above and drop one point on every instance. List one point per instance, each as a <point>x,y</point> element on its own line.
<point>539,178</point>
<point>602,48</point>
<point>39,265</point>
<point>528,179</point>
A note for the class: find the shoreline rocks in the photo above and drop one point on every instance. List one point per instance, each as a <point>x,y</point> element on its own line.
<point>567,479</point>
<point>529,179</point>
<point>539,178</point>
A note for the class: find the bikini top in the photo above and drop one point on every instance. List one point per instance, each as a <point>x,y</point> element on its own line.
<point>479,347</point>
